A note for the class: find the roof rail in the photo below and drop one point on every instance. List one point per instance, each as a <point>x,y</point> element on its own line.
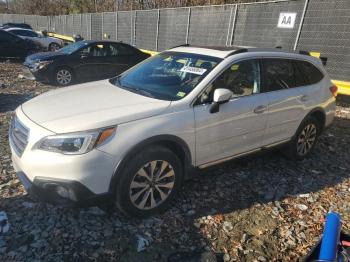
<point>179,46</point>
<point>238,51</point>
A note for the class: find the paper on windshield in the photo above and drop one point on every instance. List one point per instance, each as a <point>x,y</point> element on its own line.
<point>193,70</point>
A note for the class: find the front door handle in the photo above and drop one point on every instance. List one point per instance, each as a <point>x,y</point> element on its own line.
<point>260,109</point>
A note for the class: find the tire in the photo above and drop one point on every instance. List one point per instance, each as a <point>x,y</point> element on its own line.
<point>137,184</point>
<point>53,47</point>
<point>63,76</point>
<point>304,140</point>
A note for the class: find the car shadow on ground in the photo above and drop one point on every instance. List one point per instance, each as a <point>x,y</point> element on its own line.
<point>9,102</point>
<point>215,210</point>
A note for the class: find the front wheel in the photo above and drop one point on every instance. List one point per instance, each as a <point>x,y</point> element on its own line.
<point>63,76</point>
<point>149,182</point>
<point>304,140</point>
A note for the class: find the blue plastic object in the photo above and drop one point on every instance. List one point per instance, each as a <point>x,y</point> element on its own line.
<point>330,239</point>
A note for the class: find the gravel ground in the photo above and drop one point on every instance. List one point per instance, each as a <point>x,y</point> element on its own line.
<point>260,208</point>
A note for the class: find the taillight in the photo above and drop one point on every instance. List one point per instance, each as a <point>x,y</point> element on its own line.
<point>334,90</point>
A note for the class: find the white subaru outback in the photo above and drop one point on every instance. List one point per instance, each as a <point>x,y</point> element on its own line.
<point>133,139</point>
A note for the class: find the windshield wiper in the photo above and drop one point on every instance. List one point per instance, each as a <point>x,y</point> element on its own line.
<point>138,91</point>
<point>132,89</point>
<point>144,92</point>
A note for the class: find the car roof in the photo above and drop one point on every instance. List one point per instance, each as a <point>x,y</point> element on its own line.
<point>104,41</point>
<point>107,41</point>
<point>18,28</point>
<point>7,32</point>
<point>225,51</point>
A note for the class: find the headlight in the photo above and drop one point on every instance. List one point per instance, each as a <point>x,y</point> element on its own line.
<point>75,143</point>
<point>42,64</point>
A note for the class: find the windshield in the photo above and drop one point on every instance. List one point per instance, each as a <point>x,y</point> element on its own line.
<point>71,48</point>
<point>167,76</point>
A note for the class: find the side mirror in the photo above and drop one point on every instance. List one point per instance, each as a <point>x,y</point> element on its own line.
<point>83,55</point>
<point>221,96</point>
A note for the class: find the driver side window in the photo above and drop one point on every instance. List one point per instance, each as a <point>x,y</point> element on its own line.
<point>242,78</point>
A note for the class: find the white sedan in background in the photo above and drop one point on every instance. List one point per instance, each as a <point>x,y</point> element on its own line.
<point>47,42</point>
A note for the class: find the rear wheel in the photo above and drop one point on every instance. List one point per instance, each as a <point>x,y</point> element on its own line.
<point>305,139</point>
<point>63,76</point>
<point>149,182</point>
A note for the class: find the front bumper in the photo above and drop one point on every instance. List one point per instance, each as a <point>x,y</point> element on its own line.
<point>80,178</point>
<point>41,75</point>
<point>27,74</point>
<point>62,192</point>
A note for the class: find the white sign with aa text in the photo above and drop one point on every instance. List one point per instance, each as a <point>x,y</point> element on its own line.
<point>286,20</point>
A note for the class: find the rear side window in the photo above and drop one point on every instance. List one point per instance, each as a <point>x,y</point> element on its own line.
<point>311,73</point>
<point>278,74</point>
<point>126,50</point>
<point>120,49</point>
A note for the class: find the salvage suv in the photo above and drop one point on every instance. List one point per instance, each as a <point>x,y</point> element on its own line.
<point>134,139</point>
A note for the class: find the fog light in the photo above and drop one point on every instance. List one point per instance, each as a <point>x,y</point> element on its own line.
<point>62,192</point>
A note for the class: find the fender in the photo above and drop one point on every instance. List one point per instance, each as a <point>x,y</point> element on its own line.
<point>317,110</point>
<point>166,140</point>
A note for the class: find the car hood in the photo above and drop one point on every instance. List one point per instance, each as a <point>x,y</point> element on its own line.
<point>45,56</point>
<point>89,106</point>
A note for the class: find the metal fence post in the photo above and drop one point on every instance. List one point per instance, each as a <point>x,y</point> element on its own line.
<point>81,24</point>
<point>301,24</point>
<point>135,19</point>
<point>188,24</point>
<point>233,24</point>
<point>90,36</point>
<point>65,24</point>
<point>131,27</point>
<point>157,32</point>
<point>102,27</point>
<point>229,25</point>
<point>116,25</point>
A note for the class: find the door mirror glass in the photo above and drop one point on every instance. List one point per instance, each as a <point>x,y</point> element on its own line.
<point>222,95</point>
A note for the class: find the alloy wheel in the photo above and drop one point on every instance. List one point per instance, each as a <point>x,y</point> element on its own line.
<point>306,139</point>
<point>54,47</point>
<point>64,77</point>
<point>152,184</point>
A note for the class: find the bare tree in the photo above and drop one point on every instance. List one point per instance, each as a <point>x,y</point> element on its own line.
<point>56,7</point>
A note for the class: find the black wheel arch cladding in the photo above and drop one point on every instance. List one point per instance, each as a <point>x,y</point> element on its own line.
<point>177,145</point>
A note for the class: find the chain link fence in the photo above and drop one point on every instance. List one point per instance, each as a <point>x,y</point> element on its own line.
<point>173,25</point>
<point>326,29</point>
<point>258,24</point>
<point>320,25</point>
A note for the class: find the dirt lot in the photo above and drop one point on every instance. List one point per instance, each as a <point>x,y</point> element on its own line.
<point>261,208</point>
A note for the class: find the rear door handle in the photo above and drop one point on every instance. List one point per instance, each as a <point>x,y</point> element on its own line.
<point>304,98</point>
<point>260,109</point>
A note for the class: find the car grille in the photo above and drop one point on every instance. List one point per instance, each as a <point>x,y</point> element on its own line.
<point>18,135</point>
